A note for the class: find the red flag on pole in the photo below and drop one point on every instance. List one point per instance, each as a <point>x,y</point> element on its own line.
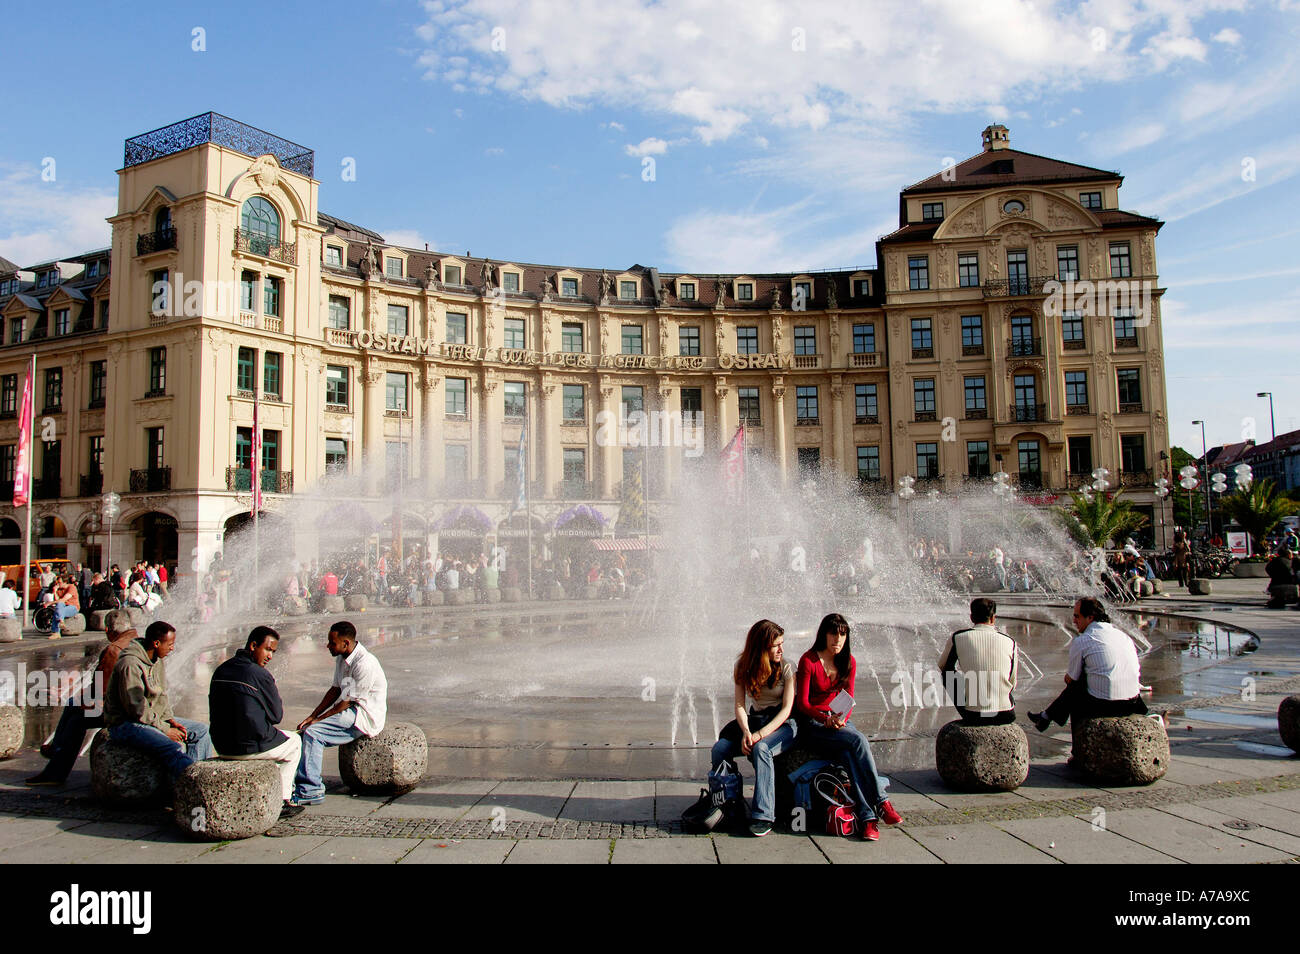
<point>257,457</point>
<point>733,464</point>
<point>23,466</point>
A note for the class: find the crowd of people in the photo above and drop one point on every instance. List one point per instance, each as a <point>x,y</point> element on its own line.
<point>81,589</point>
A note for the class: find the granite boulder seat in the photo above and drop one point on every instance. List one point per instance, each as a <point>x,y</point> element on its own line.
<point>125,776</point>
<point>512,594</point>
<point>11,629</point>
<point>1198,587</point>
<point>458,597</point>
<point>355,603</point>
<point>73,626</point>
<point>392,761</point>
<point>219,800</point>
<point>982,758</point>
<point>11,731</point>
<point>1288,722</point>
<point>433,598</point>
<point>99,621</point>
<point>332,604</point>
<point>1121,750</point>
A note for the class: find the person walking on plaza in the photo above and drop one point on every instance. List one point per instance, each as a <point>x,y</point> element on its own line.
<point>85,710</point>
<point>356,705</point>
<point>1102,677</point>
<point>137,710</point>
<point>244,707</point>
<point>989,660</point>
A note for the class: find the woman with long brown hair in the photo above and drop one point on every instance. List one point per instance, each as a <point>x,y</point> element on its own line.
<point>763,674</point>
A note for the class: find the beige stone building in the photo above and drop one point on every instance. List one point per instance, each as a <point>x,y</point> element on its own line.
<point>408,376</point>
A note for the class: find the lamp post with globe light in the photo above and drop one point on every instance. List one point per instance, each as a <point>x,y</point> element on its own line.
<point>1272,423</point>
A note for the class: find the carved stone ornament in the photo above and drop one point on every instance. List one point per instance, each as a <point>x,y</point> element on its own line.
<point>548,389</point>
<point>831,300</point>
<point>970,222</point>
<point>431,380</point>
<point>776,298</point>
<point>265,172</point>
<point>720,290</point>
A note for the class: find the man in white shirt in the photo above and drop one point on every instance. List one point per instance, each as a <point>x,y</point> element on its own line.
<point>1102,678</point>
<point>10,601</point>
<point>998,558</point>
<point>989,662</point>
<point>355,706</point>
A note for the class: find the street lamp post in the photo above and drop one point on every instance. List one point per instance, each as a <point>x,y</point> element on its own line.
<point>1205,461</point>
<point>1272,424</point>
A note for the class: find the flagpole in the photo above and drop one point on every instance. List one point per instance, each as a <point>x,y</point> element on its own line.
<point>528,502</point>
<point>27,478</point>
<point>256,486</point>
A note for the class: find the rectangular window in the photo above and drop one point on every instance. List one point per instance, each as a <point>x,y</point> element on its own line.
<point>1018,272</point>
<point>968,269</point>
<point>456,465</point>
<point>272,374</point>
<point>744,291</point>
<point>569,287</point>
<point>62,323</point>
<point>1125,328</point>
<point>927,461</point>
<point>270,453</point>
<point>632,339</point>
<point>271,296</point>
<point>1120,264</point>
<point>747,339</point>
<point>395,391</point>
<point>95,455</point>
<point>802,295</point>
<point>160,292</point>
<point>632,399</point>
<point>398,316</point>
<point>98,383</point>
<point>248,291</point>
<point>864,339</point>
<point>515,405</point>
<point>1080,455</point>
<point>157,371</point>
<point>103,314</point>
<point>862,288</point>
<point>1067,263</point>
<point>692,402</point>
<point>153,442</point>
<point>931,211</point>
<point>575,464</point>
<point>1130,389</point>
<point>9,395</point>
<point>334,256</point>
<point>1072,331</point>
<point>976,396</point>
<point>805,408</point>
<point>805,339</point>
<point>8,464</point>
<point>977,458</point>
<point>457,328</point>
<point>515,333</point>
<point>392,267</point>
<point>688,340</point>
<point>868,463</point>
<point>1132,453</point>
<point>16,330</point>
<point>865,408</point>
<point>1076,389</point>
<point>571,337</point>
<point>510,281</point>
<point>922,338</point>
<point>1031,463</point>
<point>686,291</point>
<point>972,334</point>
<point>451,275</point>
<point>340,316</point>
<point>336,455</point>
<point>923,399</point>
<point>54,389</point>
<point>574,404</point>
<point>918,273</point>
<point>1090,200</point>
<point>337,392</point>
<point>810,462</point>
<point>627,290</point>
<point>246,370</point>
<point>457,401</point>
<point>748,406</point>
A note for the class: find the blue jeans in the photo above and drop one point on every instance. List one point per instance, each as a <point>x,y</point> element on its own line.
<point>198,746</point>
<point>68,739</point>
<point>850,748</point>
<point>62,611</point>
<point>338,729</point>
<point>761,755</point>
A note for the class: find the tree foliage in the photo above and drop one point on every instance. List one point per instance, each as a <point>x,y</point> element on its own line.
<point>1103,519</point>
<point>1258,510</point>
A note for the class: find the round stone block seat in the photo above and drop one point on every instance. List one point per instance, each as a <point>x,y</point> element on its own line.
<point>555,592</point>
<point>1288,722</point>
<point>591,592</point>
<point>492,594</point>
<point>139,618</point>
<point>220,800</point>
<point>99,621</point>
<point>356,602</point>
<point>11,731</point>
<point>392,761</point>
<point>295,606</point>
<point>434,598</point>
<point>982,758</point>
<point>1123,750</point>
<point>73,625</point>
<point>125,776</point>
<point>332,604</point>
<point>458,597</point>
<point>1199,587</point>
<point>512,594</point>
<point>11,630</point>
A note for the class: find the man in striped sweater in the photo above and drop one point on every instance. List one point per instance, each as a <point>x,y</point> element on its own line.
<point>988,660</point>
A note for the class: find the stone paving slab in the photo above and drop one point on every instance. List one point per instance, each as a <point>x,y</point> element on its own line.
<point>977,843</point>
<point>1288,800</point>
<point>522,801</point>
<point>261,851</point>
<point>85,844</point>
<point>441,800</point>
<point>1227,815</point>
<point>1075,841</point>
<point>1187,840</point>
<point>896,847</point>
<point>778,848</point>
<point>611,801</point>
<point>589,852</point>
<point>347,850</point>
<point>689,850</point>
<point>435,851</point>
<point>20,831</point>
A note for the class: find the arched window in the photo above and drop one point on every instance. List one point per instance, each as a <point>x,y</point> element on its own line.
<point>260,218</point>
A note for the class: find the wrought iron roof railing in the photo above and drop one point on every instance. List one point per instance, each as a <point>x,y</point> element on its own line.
<point>221,131</point>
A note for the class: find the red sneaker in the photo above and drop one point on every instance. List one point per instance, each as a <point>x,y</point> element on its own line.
<point>889,815</point>
<point>871,831</point>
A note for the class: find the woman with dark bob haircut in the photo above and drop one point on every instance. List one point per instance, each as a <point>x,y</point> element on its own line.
<point>824,671</point>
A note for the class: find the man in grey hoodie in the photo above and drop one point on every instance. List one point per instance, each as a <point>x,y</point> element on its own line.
<point>137,711</point>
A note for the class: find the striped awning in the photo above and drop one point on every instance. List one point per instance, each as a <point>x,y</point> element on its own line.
<point>627,543</point>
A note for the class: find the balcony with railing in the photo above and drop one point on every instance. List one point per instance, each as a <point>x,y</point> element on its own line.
<point>47,488</point>
<point>1012,287</point>
<point>925,416</point>
<point>1076,410</point>
<point>807,361</point>
<point>263,246</point>
<point>922,354</point>
<point>462,489</point>
<point>1135,478</point>
<point>864,359</point>
<point>871,486</point>
<point>340,336</point>
<point>1074,344</point>
<point>813,421</point>
<point>977,413</point>
<point>1028,412</point>
<point>151,480</point>
<point>575,489</point>
<point>1078,481</point>
<point>1130,407</point>
<point>92,485</point>
<point>273,481</point>
<point>1126,341</point>
<point>968,350</point>
<point>866,419</point>
<point>157,241</point>
<point>1024,347</point>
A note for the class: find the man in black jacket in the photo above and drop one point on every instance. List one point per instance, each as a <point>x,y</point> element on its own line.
<point>244,706</point>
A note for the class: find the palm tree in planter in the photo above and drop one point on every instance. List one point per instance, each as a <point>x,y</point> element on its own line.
<point>1258,510</point>
<point>1097,519</point>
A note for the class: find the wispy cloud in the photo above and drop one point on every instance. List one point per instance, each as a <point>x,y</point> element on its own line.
<point>40,221</point>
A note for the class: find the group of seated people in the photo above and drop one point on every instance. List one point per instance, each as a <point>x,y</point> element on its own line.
<point>1283,570</point>
<point>808,705</point>
<point>244,706</point>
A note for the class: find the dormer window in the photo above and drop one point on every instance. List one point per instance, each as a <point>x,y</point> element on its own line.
<point>802,294</point>
<point>333,256</point>
<point>393,267</point>
<point>92,270</point>
<point>686,291</point>
<point>744,291</point>
<point>627,290</point>
<point>451,274</point>
<point>510,282</point>
<point>569,287</point>
<point>1090,200</point>
<point>42,279</point>
<point>932,212</point>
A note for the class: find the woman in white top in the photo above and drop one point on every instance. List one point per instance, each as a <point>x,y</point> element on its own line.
<point>764,675</point>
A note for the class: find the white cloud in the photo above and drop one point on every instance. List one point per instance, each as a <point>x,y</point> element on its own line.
<point>647,147</point>
<point>41,221</point>
<point>494,151</point>
<point>1227,36</point>
<point>613,125</point>
<point>406,238</point>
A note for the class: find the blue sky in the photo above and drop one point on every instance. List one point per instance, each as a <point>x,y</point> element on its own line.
<point>780,134</point>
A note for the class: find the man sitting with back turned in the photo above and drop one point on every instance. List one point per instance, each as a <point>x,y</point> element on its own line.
<point>1102,678</point>
<point>244,705</point>
<point>988,660</point>
<point>355,706</point>
<point>137,710</point>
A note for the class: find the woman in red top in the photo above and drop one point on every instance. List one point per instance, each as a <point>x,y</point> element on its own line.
<point>824,671</point>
